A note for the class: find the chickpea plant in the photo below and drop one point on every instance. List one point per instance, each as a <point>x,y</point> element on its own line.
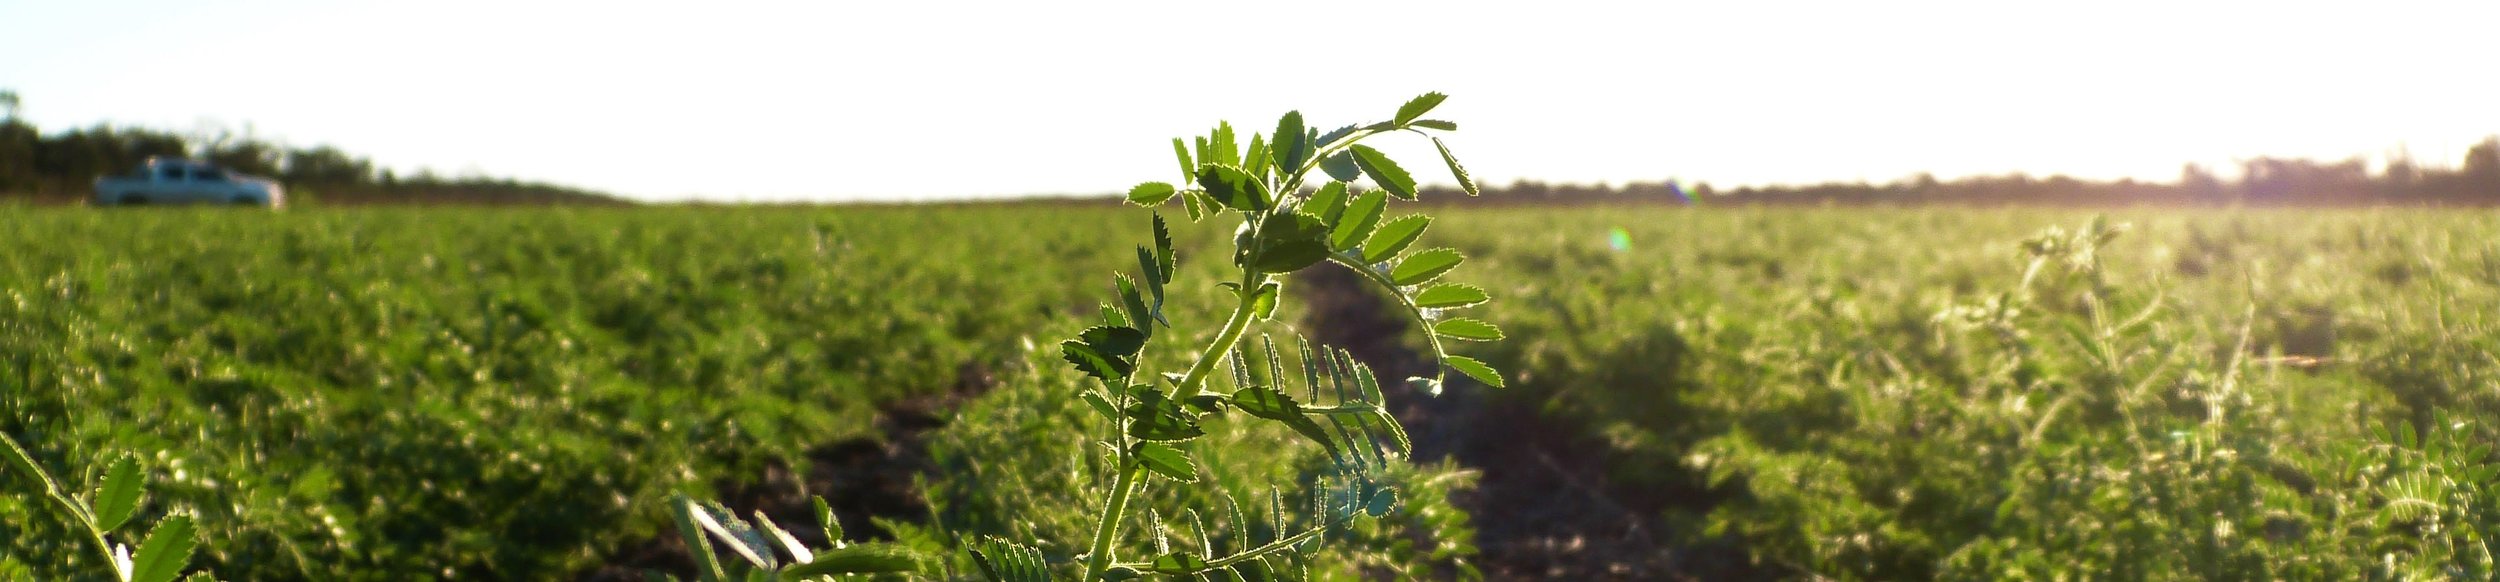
<point>1286,225</point>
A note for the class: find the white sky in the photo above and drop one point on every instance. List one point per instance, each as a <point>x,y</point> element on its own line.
<point>920,99</point>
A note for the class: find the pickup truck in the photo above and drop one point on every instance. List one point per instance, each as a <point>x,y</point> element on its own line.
<point>162,180</point>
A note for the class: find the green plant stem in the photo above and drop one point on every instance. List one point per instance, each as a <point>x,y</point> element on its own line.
<point>1439,354</point>
<point>1098,560</point>
<point>1253,553</point>
<point>52,491</point>
<point>1192,382</point>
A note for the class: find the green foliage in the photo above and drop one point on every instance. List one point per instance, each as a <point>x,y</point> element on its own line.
<point>163,554</point>
<point>501,393</point>
<point>1283,228</point>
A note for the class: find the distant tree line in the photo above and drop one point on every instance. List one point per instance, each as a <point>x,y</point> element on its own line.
<point>61,168</point>
<point>2261,182</point>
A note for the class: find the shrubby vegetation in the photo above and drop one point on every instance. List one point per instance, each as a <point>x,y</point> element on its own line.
<point>1917,394</point>
<point>60,167</point>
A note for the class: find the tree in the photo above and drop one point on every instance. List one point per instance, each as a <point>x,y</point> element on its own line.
<point>8,104</point>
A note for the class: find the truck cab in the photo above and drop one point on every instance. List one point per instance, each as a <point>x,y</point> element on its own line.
<point>163,180</point>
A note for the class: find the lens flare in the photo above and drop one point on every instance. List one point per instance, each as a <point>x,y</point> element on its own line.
<point>1619,239</point>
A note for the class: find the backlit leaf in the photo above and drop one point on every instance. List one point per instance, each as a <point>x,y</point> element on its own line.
<point>1234,188</point>
<point>1155,417</point>
<point>1417,107</point>
<point>120,495</point>
<point>1456,171</point>
<point>1467,329</point>
<point>1435,124</point>
<point>1360,218</point>
<point>1151,193</point>
<point>1450,296</point>
<point>1384,172</point>
<point>1340,166</point>
<point>1289,149</point>
<point>1475,369</point>
<point>1394,237</point>
<point>1172,463</point>
<point>1423,267</point>
<point>1328,203</point>
<point>166,551</point>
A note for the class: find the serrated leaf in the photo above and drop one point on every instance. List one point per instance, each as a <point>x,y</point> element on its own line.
<point>1396,433</point>
<point>1178,563</point>
<point>1164,261</point>
<point>1114,341</point>
<point>1435,124</point>
<point>1256,161</point>
<point>1172,463</point>
<point>1381,503</point>
<point>1005,561</point>
<point>824,517</point>
<point>789,544</point>
<point>1423,267</point>
<point>1134,303</point>
<point>1272,404</point>
<point>1155,280</point>
<point>1155,417</point>
<point>1394,237</point>
<point>1151,194</point>
<point>1290,242</point>
<point>1221,148</point>
<point>735,534</point>
<point>166,551</point>
<point>1467,329</point>
<point>1189,200</point>
<point>707,565</point>
<point>1417,107</point>
<point>1180,149</point>
<point>120,495</point>
<point>1474,369</point>
<point>1340,166</point>
<point>1101,405</point>
<point>1093,362</point>
<point>1234,188</point>
<point>1451,296</point>
<point>1330,138</point>
<point>1263,304</point>
<point>860,559</point>
<point>1360,218</point>
<point>1384,172</point>
<point>1456,171</point>
<point>1328,203</point>
<point>1289,149</point>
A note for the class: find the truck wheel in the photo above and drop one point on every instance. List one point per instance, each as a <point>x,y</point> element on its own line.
<point>134,200</point>
<point>245,201</point>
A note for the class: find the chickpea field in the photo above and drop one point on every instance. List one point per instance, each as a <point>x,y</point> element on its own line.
<point>1692,393</point>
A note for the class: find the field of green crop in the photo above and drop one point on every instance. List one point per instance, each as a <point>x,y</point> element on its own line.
<point>1872,394</point>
